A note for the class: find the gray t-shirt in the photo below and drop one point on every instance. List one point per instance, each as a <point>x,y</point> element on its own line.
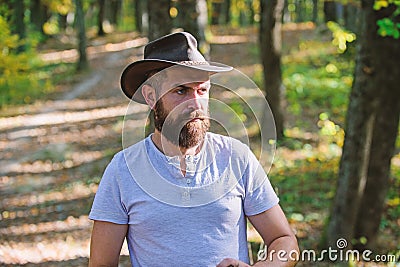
<point>192,220</point>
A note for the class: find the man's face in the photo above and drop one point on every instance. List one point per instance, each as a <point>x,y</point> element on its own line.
<point>181,113</point>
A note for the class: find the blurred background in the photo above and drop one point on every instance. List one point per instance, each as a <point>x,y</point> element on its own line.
<point>329,70</point>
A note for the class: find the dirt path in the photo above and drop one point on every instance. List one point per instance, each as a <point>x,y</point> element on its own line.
<point>52,157</point>
<point>53,154</point>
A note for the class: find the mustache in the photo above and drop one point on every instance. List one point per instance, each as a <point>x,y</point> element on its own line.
<point>198,114</point>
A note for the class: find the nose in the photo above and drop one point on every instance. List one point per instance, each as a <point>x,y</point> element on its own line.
<point>195,101</point>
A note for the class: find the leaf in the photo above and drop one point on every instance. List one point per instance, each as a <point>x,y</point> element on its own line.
<point>393,202</point>
<point>379,4</point>
<point>396,34</point>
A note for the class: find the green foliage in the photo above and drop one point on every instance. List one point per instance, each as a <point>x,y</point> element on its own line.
<point>301,183</point>
<point>319,83</point>
<point>340,36</point>
<point>389,26</point>
<point>127,21</point>
<point>56,8</point>
<point>59,6</point>
<point>16,81</point>
<point>23,77</point>
<point>393,199</point>
<point>238,110</point>
<point>329,131</point>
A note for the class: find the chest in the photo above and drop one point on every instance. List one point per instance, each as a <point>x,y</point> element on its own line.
<point>149,215</point>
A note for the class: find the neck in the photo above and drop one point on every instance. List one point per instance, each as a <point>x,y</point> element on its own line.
<point>170,149</point>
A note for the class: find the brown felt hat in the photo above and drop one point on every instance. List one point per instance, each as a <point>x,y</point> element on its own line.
<point>173,49</point>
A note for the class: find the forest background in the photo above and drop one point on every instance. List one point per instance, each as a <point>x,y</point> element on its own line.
<point>330,72</point>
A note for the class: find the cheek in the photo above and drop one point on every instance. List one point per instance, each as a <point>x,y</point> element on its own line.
<point>204,104</point>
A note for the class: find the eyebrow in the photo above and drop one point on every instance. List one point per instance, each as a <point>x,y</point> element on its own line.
<point>188,87</point>
<point>183,87</point>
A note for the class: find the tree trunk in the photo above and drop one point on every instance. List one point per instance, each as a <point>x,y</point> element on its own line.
<point>315,12</point>
<point>382,149</point>
<point>227,11</point>
<point>252,12</point>
<point>242,17</point>
<point>287,16</point>
<point>138,15</point>
<point>80,23</point>
<point>160,22</point>
<point>38,15</point>
<point>62,21</point>
<point>35,14</point>
<point>115,6</point>
<point>387,80</point>
<point>369,141</point>
<point>193,19</point>
<point>100,18</point>
<point>351,17</point>
<point>270,45</point>
<point>339,13</point>
<point>330,11</point>
<point>216,12</point>
<point>300,11</point>
<point>18,14</point>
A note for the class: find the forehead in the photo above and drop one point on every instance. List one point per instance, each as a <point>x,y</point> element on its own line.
<point>178,75</point>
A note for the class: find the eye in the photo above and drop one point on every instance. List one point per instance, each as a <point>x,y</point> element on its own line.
<point>203,91</point>
<point>181,90</point>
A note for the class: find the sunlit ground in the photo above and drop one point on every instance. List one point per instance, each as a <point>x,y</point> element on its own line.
<point>51,161</point>
<point>47,192</point>
<point>72,54</point>
<point>69,240</point>
<point>53,154</point>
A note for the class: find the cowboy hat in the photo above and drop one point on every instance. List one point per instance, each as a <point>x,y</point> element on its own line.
<point>173,49</point>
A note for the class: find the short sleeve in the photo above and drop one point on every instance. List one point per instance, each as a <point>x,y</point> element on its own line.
<point>107,204</point>
<point>259,196</point>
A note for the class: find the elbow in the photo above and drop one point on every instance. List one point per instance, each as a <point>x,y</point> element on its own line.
<point>293,250</point>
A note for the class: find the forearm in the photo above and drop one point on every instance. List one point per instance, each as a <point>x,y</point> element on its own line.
<point>283,251</point>
<point>92,264</point>
<point>102,259</point>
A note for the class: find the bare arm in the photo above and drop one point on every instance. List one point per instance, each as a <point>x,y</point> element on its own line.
<point>274,229</point>
<point>106,243</point>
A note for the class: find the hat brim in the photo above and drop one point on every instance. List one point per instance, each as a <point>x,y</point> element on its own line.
<point>135,74</point>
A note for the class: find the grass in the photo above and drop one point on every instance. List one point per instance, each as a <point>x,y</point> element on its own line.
<point>42,80</point>
<point>304,173</point>
<point>318,81</point>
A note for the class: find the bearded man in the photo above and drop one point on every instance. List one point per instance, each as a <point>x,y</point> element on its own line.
<point>182,196</point>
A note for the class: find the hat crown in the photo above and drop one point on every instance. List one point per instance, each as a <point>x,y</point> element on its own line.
<point>177,47</point>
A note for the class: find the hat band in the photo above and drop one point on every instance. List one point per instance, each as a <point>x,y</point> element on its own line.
<point>189,63</point>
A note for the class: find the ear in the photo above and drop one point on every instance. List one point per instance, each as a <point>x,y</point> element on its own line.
<point>149,94</point>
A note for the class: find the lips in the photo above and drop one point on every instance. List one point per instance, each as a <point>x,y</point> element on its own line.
<point>198,115</point>
<point>197,118</point>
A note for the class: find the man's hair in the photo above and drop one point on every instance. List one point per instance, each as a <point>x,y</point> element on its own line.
<point>155,79</point>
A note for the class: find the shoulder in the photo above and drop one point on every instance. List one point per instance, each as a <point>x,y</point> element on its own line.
<point>238,150</point>
<point>226,142</point>
<point>132,152</point>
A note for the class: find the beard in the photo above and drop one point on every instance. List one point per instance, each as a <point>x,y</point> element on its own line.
<point>191,133</point>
